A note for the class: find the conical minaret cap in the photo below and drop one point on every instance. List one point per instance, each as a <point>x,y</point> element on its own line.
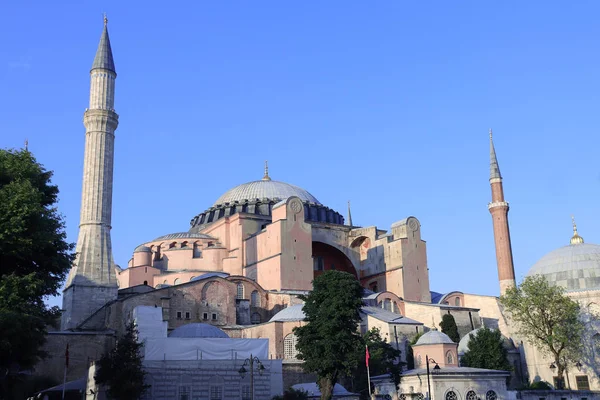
<point>104,57</point>
<point>494,167</point>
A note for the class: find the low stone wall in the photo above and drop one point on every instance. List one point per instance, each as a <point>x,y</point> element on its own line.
<point>558,395</point>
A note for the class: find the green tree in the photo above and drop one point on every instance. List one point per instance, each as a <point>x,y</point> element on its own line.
<point>383,359</point>
<point>34,260</point>
<point>121,368</point>
<point>486,350</point>
<point>410,355</point>
<point>547,319</point>
<point>292,394</point>
<point>328,341</point>
<point>448,326</point>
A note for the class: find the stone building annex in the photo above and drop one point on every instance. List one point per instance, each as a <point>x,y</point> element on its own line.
<point>240,265</point>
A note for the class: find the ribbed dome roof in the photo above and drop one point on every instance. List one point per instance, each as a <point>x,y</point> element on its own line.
<point>183,235</point>
<point>434,337</point>
<point>198,331</point>
<point>265,189</point>
<point>574,267</point>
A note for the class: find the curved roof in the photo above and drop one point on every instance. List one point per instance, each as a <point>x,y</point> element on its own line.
<point>434,337</point>
<point>198,330</point>
<point>463,345</point>
<point>142,249</point>
<point>574,267</point>
<point>183,235</point>
<point>291,313</point>
<point>265,189</point>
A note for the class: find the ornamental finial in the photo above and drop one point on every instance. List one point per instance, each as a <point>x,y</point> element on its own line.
<point>490,133</point>
<point>105,20</point>
<point>576,239</point>
<point>266,177</point>
<point>26,144</point>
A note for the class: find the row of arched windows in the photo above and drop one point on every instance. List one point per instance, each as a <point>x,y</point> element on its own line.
<point>254,296</point>
<point>449,358</point>
<point>470,395</point>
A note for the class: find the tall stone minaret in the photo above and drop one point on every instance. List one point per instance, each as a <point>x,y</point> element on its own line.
<point>499,210</point>
<point>91,282</point>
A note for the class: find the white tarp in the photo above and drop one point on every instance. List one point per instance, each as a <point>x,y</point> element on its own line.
<point>205,348</point>
<point>149,321</point>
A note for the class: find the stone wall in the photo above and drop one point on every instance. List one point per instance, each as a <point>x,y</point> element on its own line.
<point>293,373</point>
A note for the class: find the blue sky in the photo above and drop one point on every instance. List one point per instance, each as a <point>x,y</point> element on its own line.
<point>387,104</point>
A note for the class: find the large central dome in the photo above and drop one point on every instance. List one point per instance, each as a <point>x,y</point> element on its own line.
<point>265,189</point>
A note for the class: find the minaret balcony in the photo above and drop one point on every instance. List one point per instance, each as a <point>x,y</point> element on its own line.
<point>498,204</point>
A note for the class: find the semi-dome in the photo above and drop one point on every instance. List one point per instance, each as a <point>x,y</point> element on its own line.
<point>142,249</point>
<point>265,189</point>
<point>574,267</point>
<point>434,337</point>
<point>198,330</point>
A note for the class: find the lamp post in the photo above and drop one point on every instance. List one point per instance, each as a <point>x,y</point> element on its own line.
<point>436,368</point>
<point>250,362</point>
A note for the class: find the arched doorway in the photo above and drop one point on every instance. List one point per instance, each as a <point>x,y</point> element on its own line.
<point>327,257</point>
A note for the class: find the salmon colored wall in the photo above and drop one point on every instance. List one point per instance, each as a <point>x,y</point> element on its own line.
<point>134,276</point>
<point>296,247</point>
<point>437,352</point>
<point>331,256</point>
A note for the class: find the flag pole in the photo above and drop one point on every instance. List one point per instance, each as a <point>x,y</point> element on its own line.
<point>65,375</point>
<point>368,370</point>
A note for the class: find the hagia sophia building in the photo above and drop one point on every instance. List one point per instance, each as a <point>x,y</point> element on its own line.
<point>242,263</point>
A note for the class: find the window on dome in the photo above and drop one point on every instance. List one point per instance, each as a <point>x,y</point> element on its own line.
<point>172,245</point>
<point>449,358</point>
<point>176,281</point>
<point>210,244</point>
<point>289,347</point>
<point>240,291</point>
<point>184,245</point>
<point>255,298</point>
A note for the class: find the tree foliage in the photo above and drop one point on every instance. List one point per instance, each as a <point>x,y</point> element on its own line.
<point>34,259</point>
<point>448,326</point>
<point>486,350</point>
<point>383,359</point>
<point>547,319</point>
<point>328,341</point>
<point>292,394</point>
<point>410,355</point>
<point>121,368</point>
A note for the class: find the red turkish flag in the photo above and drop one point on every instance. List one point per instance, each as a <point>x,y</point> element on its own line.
<point>367,356</point>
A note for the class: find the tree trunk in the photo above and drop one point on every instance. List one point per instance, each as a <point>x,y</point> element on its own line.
<point>326,386</point>
<point>560,371</point>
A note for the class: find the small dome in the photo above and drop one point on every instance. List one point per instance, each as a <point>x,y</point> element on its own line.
<point>574,267</point>
<point>265,189</point>
<point>291,313</point>
<point>183,235</point>
<point>142,249</point>
<point>463,345</point>
<point>434,337</point>
<point>198,331</point>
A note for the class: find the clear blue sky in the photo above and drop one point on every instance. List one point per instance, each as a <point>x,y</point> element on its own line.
<point>387,104</point>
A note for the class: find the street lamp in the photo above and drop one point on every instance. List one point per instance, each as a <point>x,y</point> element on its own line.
<point>250,362</point>
<point>552,367</point>
<point>578,365</point>
<point>436,368</point>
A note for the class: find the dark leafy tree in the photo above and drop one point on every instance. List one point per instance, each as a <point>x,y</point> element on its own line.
<point>410,355</point>
<point>448,326</point>
<point>120,370</point>
<point>546,318</point>
<point>34,260</point>
<point>383,359</point>
<point>292,394</point>
<point>486,350</point>
<point>328,341</point>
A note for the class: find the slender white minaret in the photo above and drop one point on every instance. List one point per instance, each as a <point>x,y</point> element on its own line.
<point>91,282</point>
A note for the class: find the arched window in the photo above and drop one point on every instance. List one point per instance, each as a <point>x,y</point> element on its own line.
<point>395,308</point>
<point>255,318</point>
<point>146,283</point>
<point>184,245</point>
<point>419,360</point>
<point>449,358</point>
<point>471,395</point>
<point>172,245</point>
<point>387,305</point>
<point>457,301</point>
<point>176,282</point>
<point>192,278</point>
<point>451,395</point>
<point>491,395</point>
<point>255,298</point>
<point>289,347</point>
<point>165,282</point>
<point>240,291</point>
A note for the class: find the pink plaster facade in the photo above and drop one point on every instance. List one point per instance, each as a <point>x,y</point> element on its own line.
<point>444,354</point>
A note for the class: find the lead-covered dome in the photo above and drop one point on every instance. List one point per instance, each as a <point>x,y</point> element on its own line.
<point>434,337</point>
<point>574,267</point>
<point>265,189</point>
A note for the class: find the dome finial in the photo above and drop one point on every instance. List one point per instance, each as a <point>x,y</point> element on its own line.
<point>105,19</point>
<point>576,239</point>
<point>266,177</point>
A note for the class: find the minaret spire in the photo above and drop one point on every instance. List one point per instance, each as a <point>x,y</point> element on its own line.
<point>91,282</point>
<point>266,176</point>
<point>349,215</point>
<point>576,239</point>
<point>499,210</point>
